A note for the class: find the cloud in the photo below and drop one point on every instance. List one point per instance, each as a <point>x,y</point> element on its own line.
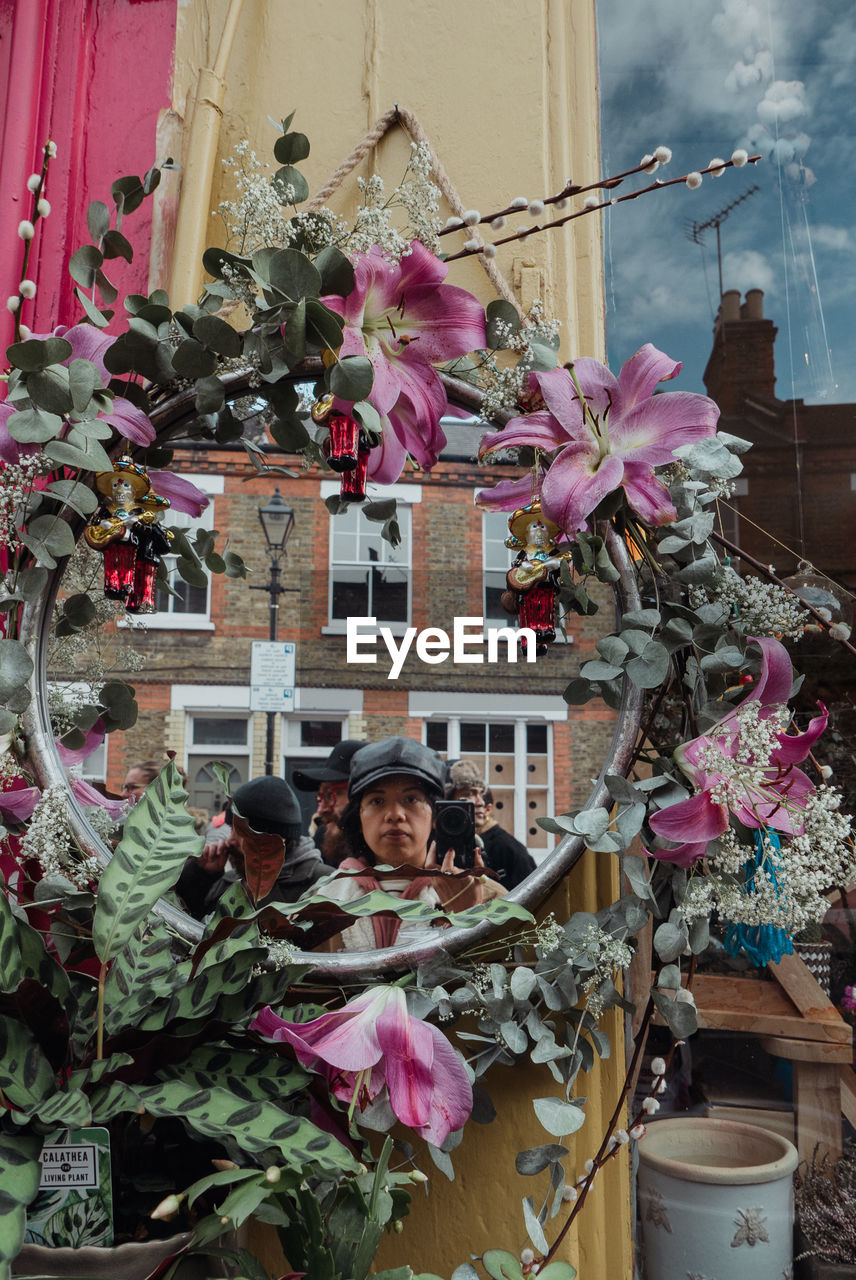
<point>743,75</point>
<point>783,102</point>
<point>746,269</point>
<point>838,239</point>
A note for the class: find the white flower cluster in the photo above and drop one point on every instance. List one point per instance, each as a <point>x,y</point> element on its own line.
<point>604,953</point>
<point>501,385</point>
<point>416,194</point>
<point>760,608</point>
<point>255,217</point>
<point>549,935</point>
<point>738,752</point>
<point>16,485</point>
<point>48,840</point>
<point>787,890</point>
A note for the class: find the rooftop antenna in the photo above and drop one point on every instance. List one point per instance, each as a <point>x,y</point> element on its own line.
<point>695,229</point>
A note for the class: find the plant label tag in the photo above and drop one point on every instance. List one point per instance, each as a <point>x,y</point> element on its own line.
<point>74,1204</point>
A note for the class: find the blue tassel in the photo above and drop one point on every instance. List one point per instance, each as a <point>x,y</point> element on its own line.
<point>761,943</point>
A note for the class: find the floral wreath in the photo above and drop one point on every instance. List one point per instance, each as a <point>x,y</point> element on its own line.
<point>232,1035</point>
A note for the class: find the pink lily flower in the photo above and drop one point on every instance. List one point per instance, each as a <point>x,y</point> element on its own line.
<point>183,494</point>
<point>18,805</point>
<point>745,766</point>
<point>405,320</point>
<point>373,1041</point>
<point>615,438</point>
<point>88,343</point>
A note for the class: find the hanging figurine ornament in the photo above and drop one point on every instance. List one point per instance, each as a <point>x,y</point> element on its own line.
<point>533,579</point>
<point>125,530</point>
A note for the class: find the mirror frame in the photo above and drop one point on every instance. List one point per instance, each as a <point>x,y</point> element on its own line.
<point>169,415</point>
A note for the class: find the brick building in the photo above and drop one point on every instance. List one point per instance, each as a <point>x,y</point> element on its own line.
<point>510,718</point>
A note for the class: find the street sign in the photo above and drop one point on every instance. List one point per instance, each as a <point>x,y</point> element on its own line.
<point>272,671</point>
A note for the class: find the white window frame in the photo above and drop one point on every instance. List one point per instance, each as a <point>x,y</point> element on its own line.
<point>337,705</point>
<point>406,495</point>
<point>516,709</point>
<point>166,619</point>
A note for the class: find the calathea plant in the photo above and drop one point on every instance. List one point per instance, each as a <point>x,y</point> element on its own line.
<point>106,1020</point>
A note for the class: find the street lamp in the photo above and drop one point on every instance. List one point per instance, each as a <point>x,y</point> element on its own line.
<point>277,521</point>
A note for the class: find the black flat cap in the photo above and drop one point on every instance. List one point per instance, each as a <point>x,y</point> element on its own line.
<point>393,756</point>
<point>336,768</point>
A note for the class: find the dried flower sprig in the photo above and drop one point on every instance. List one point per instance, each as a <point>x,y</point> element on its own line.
<point>26,231</point>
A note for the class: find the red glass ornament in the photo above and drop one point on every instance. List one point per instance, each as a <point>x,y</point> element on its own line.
<point>353,483</point>
<point>119,562</point>
<point>537,611</point>
<point>142,597</point>
<point>343,442</point>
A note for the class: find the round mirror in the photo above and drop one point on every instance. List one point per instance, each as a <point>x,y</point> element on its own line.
<point>174,420</point>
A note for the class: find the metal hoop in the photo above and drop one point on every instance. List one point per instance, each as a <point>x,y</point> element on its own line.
<point>48,770</point>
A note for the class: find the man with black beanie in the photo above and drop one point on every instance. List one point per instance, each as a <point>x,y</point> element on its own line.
<point>267,805</point>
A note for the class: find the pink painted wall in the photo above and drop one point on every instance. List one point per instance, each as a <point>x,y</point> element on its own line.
<point>93,75</point>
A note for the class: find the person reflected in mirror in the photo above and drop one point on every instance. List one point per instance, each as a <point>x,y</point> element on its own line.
<point>329,781</point>
<point>138,778</point>
<point>268,806</point>
<point>509,860</point>
<point>389,825</point>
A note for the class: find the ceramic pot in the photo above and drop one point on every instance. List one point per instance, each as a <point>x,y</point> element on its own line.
<point>126,1262</point>
<point>716,1200</point>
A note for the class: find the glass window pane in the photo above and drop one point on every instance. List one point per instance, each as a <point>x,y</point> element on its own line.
<point>389,595</point>
<point>536,739</point>
<point>494,586</point>
<point>437,735</point>
<point>502,738</point>
<point>189,599</point>
<point>227,731</point>
<point>320,733</point>
<point>472,737</point>
<point>350,593</point>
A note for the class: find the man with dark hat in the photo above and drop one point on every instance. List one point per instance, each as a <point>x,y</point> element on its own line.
<point>330,782</point>
<point>266,805</point>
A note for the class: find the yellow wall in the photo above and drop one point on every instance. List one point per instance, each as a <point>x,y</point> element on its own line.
<point>506,92</point>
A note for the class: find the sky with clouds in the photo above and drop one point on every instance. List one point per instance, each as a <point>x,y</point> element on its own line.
<point>704,77</point>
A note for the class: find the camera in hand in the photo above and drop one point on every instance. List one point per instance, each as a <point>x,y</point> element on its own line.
<point>455,828</point>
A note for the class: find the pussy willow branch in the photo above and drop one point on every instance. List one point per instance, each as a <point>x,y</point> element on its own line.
<point>604,1153</point>
<point>581,213</point>
<point>768,573</point>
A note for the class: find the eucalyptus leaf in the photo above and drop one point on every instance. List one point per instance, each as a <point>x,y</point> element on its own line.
<point>97,219</point>
<point>337,272</point>
<point>351,378</point>
<point>192,360</point>
<point>84,264</point>
<point>216,334</point>
<point>536,1159</point>
<point>533,1227</point>
<point>558,1117</point>
<point>287,177</point>
<point>92,458</point>
<point>290,148</point>
<point>33,426</point>
<point>49,389</point>
<point>293,275</point>
<point>670,941</point>
<point>114,245</point>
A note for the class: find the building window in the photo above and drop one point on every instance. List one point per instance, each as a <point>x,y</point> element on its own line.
<point>369,578</point>
<point>306,743</point>
<point>515,759</point>
<point>496,559</point>
<point>183,605</point>
<point>216,739</point>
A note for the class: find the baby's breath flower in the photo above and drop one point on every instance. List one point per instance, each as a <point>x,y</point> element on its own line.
<point>739,158</point>
<point>26,230</point>
<point>694,180</point>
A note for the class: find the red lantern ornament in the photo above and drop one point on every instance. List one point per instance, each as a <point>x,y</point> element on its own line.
<point>119,567</point>
<point>343,443</point>
<point>537,610</point>
<point>353,483</point>
<point>154,543</point>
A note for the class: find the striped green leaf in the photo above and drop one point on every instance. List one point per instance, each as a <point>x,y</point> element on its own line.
<point>19,1182</point>
<point>159,835</point>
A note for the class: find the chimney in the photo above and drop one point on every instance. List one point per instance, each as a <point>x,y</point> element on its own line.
<point>741,361</point>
